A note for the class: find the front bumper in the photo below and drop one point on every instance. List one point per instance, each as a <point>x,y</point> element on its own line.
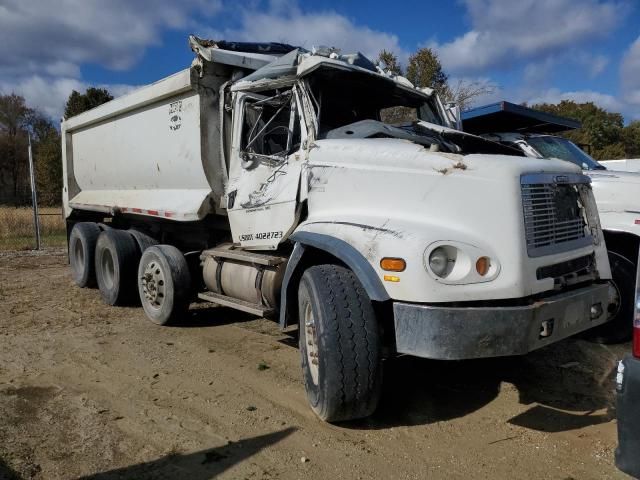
<point>456,333</point>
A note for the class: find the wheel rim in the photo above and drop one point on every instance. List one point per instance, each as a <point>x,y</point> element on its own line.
<point>78,253</point>
<point>312,342</point>
<point>153,284</point>
<point>108,269</point>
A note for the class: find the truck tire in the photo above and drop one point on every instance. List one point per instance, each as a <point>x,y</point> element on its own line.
<point>116,261</point>
<point>143,240</point>
<point>620,328</point>
<point>82,249</point>
<point>164,284</point>
<point>340,344</point>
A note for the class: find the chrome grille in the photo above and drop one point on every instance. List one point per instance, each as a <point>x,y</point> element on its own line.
<point>554,218</point>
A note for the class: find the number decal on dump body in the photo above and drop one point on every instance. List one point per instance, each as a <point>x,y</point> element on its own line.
<point>175,115</point>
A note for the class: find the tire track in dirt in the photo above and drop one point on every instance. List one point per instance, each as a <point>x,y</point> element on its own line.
<point>101,389</point>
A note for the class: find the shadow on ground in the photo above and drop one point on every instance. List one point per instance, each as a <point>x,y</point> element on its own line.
<point>208,315</point>
<point>201,465</point>
<point>564,385</point>
<point>568,385</point>
<point>7,473</point>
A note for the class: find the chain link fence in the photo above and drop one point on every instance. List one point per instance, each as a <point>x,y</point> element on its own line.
<point>18,224</point>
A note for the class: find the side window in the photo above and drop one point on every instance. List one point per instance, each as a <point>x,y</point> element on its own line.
<point>271,127</point>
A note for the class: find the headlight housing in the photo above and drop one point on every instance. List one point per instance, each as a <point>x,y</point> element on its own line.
<point>459,263</point>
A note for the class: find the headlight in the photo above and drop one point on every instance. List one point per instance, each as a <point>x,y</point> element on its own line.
<point>457,263</point>
<point>441,261</point>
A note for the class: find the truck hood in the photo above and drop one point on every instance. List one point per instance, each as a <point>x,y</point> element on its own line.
<point>616,191</point>
<point>391,197</point>
<point>423,133</point>
<point>402,154</point>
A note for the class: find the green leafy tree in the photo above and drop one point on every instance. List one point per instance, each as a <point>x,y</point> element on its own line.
<point>48,164</point>
<point>18,121</point>
<point>425,70</point>
<point>602,130</point>
<point>631,140</point>
<point>81,102</point>
<point>15,116</point>
<point>389,62</point>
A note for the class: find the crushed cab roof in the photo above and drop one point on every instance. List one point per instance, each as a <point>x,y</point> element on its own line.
<point>277,60</point>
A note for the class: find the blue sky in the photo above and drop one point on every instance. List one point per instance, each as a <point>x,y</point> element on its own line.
<point>529,50</point>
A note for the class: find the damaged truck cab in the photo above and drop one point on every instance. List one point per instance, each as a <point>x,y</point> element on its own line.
<point>315,188</point>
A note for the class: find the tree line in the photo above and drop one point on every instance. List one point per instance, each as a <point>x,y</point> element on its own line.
<point>603,134</point>
<point>20,122</point>
<point>425,70</point>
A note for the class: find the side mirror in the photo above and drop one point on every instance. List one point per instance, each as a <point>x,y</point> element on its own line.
<point>454,114</point>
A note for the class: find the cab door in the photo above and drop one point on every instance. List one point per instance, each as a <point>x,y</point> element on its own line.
<point>264,168</point>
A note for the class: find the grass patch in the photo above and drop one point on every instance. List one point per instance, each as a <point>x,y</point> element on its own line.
<point>17,231</point>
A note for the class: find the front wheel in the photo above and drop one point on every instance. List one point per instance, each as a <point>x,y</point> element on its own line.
<point>620,328</point>
<point>164,284</point>
<point>340,344</point>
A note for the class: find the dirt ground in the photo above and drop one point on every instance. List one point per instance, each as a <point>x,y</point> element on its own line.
<point>99,392</point>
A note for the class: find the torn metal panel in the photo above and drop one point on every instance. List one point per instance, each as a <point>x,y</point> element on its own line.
<point>280,67</point>
<point>267,48</point>
<point>251,56</point>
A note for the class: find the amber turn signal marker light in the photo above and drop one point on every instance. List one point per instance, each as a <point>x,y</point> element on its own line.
<point>482,265</point>
<point>391,264</point>
<point>391,278</point>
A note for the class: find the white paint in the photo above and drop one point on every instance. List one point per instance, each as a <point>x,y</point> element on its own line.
<point>616,192</point>
<point>384,197</point>
<point>397,187</point>
<point>142,150</point>
<point>627,165</point>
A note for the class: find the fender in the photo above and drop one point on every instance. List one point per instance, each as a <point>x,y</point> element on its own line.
<point>337,248</point>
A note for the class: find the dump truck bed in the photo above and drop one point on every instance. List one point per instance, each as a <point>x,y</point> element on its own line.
<point>142,152</point>
<point>156,151</point>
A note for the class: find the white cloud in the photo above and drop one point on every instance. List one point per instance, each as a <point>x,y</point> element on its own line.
<point>538,74</point>
<point>595,64</point>
<point>285,22</point>
<point>70,32</point>
<point>554,95</point>
<point>45,43</point>
<point>49,95</point>
<point>505,32</point>
<point>630,75</point>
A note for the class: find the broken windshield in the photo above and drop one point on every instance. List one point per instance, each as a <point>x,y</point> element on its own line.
<point>558,147</point>
<point>346,97</point>
<point>352,104</point>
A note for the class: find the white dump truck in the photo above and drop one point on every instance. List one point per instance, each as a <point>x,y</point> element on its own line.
<point>264,178</point>
<point>617,193</point>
